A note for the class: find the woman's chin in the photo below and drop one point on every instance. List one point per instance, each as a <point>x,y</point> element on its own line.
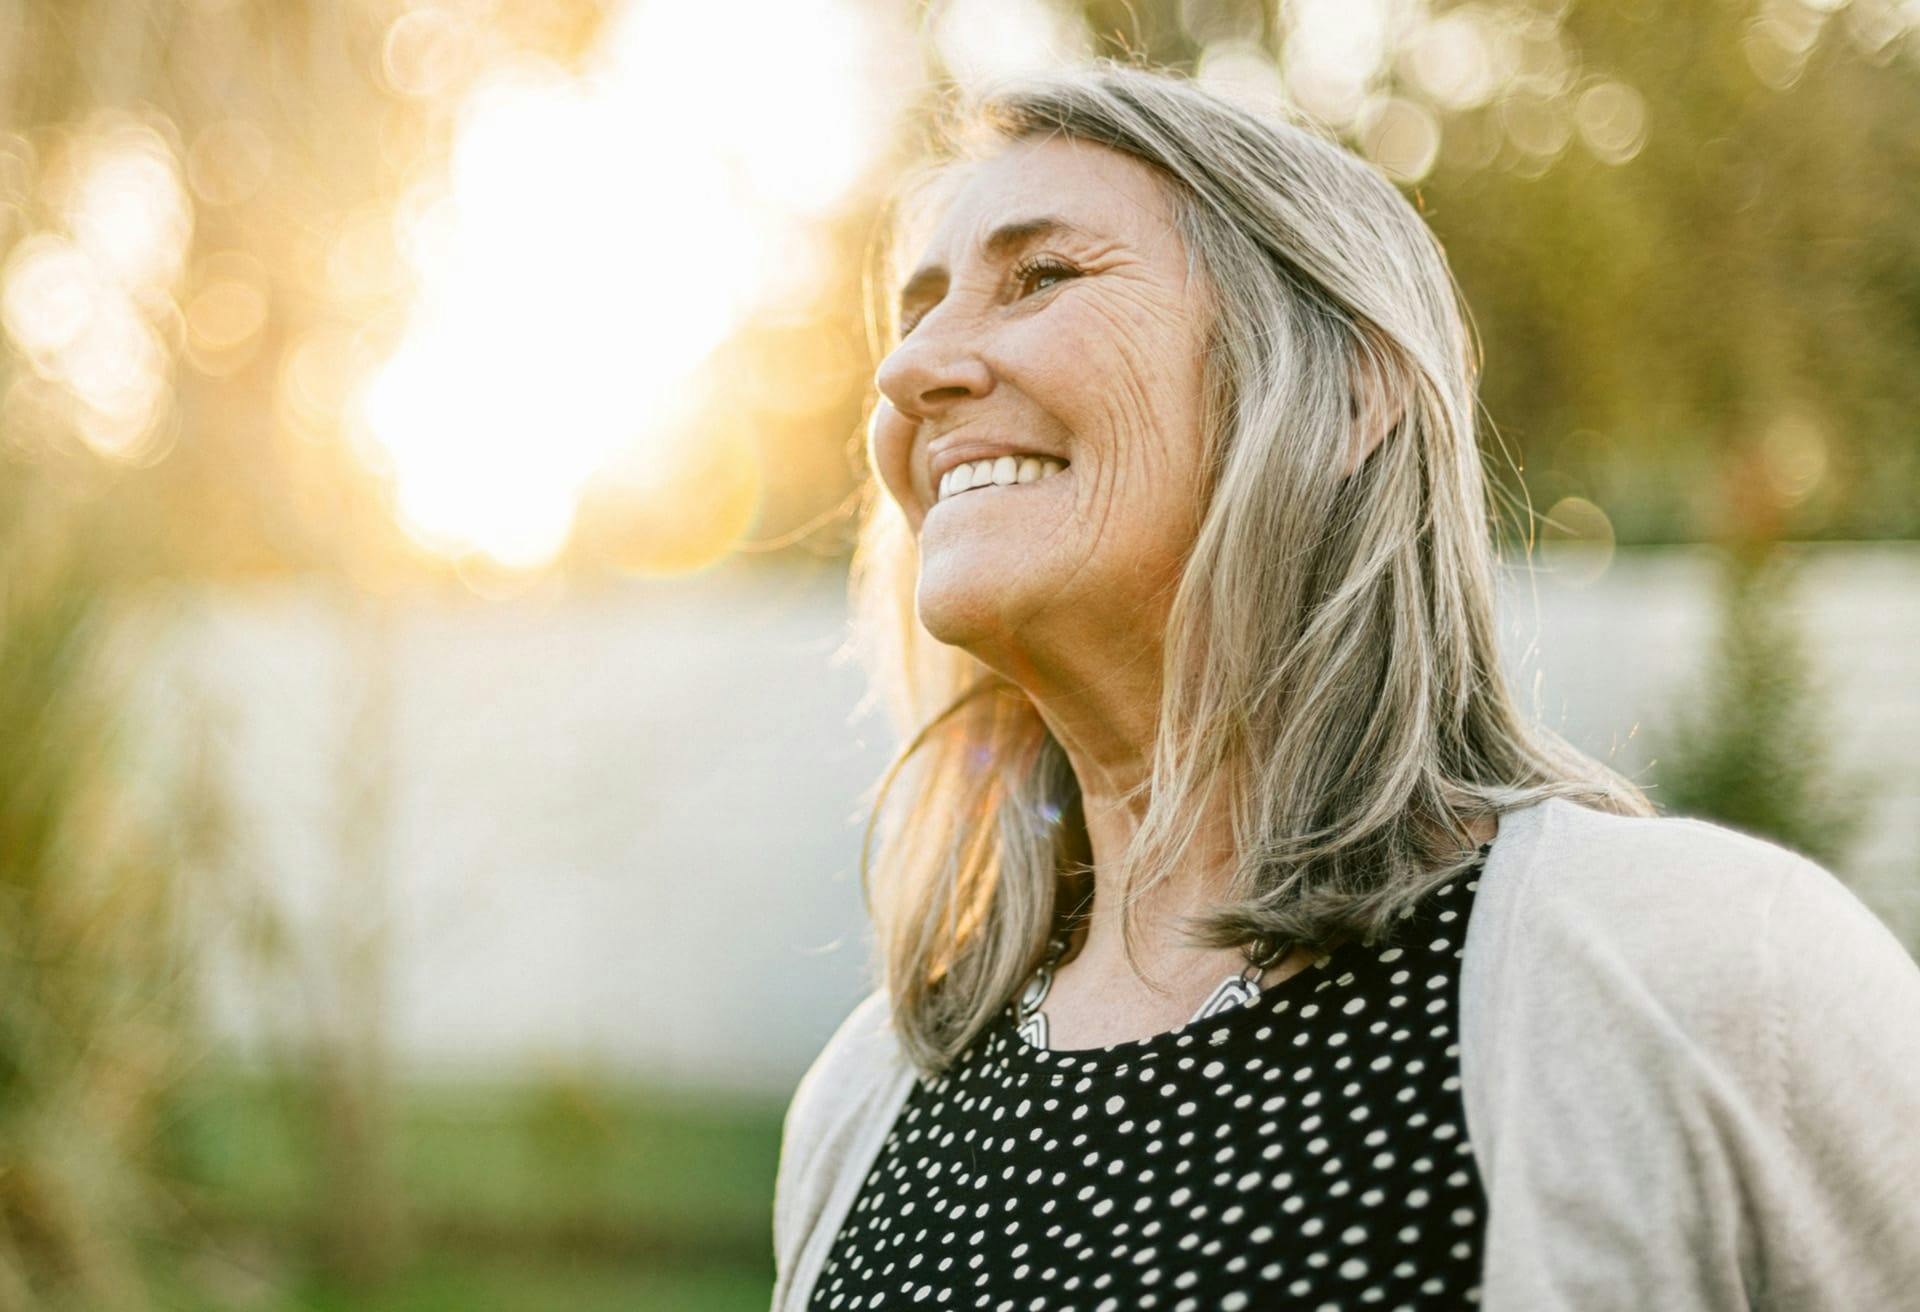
<point>963,607</point>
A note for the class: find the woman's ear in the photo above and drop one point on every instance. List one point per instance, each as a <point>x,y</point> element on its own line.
<point>1374,405</point>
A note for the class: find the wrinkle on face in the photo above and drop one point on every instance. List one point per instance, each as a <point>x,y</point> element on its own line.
<point>1104,369</point>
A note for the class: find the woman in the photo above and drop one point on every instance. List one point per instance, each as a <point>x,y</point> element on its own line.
<point>1242,944</point>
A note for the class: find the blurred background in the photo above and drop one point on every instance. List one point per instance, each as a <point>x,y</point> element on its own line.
<point>430,783</point>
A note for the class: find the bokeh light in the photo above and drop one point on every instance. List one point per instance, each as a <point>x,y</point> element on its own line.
<point>1576,541</point>
<point>1334,50</point>
<point>1612,118</point>
<point>1794,450</point>
<point>226,313</point>
<point>980,41</point>
<point>229,162</point>
<point>427,50</point>
<point>582,262</point>
<point>1401,136</point>
<point>81,299</point>
<point>119,193</point>
<point>1461,58</point>
<point>1242,72</point>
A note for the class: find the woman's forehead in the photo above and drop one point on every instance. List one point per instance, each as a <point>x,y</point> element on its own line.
<point>1085,186</point>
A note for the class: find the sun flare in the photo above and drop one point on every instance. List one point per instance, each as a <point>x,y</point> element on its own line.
<point>600,233</point>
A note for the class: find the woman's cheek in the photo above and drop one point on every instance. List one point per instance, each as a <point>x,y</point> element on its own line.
<point>890,448</point>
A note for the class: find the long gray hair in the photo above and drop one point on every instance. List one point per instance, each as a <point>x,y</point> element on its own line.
<point>1331,668</point>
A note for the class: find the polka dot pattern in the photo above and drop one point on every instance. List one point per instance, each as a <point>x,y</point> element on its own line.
<point>1308,1151</point>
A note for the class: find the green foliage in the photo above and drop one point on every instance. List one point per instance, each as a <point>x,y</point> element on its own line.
<point>523,1195</point>
<point>1751,747</point>
<point>567,1154</point>
<point>1722,329</point>
<point>92,1031</point>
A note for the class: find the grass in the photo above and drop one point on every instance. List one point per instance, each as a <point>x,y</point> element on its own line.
<point>473,1282</point>
<point>525,1196</point>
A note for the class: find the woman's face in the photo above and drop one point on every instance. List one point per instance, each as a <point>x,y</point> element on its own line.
<point>1052,315</point>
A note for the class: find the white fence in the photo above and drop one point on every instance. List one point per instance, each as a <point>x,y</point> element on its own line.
<point>622,830</point>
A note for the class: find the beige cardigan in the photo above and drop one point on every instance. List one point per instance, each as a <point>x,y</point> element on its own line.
<point>1691,1067</point>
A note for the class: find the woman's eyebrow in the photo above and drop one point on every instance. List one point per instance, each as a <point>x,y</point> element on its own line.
<point>929,280</point>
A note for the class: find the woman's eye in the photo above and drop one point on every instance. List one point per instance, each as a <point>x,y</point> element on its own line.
<point>1031,279</point>
<point>1039,277</point>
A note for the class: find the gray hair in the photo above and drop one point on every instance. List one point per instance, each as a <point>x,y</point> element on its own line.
<point>1331,667</point>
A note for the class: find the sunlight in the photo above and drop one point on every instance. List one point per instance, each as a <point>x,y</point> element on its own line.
<point>598,237</point>
<point>1461,58</point>
<point>1334,50</point>
<point>982,40</point>
<point>77,301</point>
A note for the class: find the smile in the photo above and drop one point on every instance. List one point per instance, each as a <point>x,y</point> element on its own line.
<point>1002,472</point>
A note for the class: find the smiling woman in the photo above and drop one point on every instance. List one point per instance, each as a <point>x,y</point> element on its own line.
<point>1221,696</point>
<point>1068,333</point>
<point>1062,308</point>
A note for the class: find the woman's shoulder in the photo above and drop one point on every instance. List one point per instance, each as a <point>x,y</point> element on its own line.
<point>1661,883</point>
<point>861,1041</point>
<point>839,1103</point>
<point>1688,922</point>
<point>1712,1041</point>
<point>860,1056</point>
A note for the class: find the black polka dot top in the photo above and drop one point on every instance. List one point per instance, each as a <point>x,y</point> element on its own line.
<point>1305,1151</point>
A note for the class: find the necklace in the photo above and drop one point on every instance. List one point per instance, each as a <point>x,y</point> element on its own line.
<point>1240,990</point>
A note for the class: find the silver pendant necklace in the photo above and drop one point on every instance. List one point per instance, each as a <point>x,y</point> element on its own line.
<point>1241,990</point>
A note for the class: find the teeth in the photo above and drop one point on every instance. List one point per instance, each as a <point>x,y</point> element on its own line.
<point>1001,472</point>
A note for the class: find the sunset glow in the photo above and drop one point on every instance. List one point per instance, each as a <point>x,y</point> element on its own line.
<point>598,236</point>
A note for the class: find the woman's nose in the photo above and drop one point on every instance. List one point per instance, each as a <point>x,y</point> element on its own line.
<point>930,373</point>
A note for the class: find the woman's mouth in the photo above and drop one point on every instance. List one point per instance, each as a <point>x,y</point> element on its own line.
<point>1004,471</point>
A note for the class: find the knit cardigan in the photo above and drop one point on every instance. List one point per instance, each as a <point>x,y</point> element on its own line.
<point>1690,1061</point>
